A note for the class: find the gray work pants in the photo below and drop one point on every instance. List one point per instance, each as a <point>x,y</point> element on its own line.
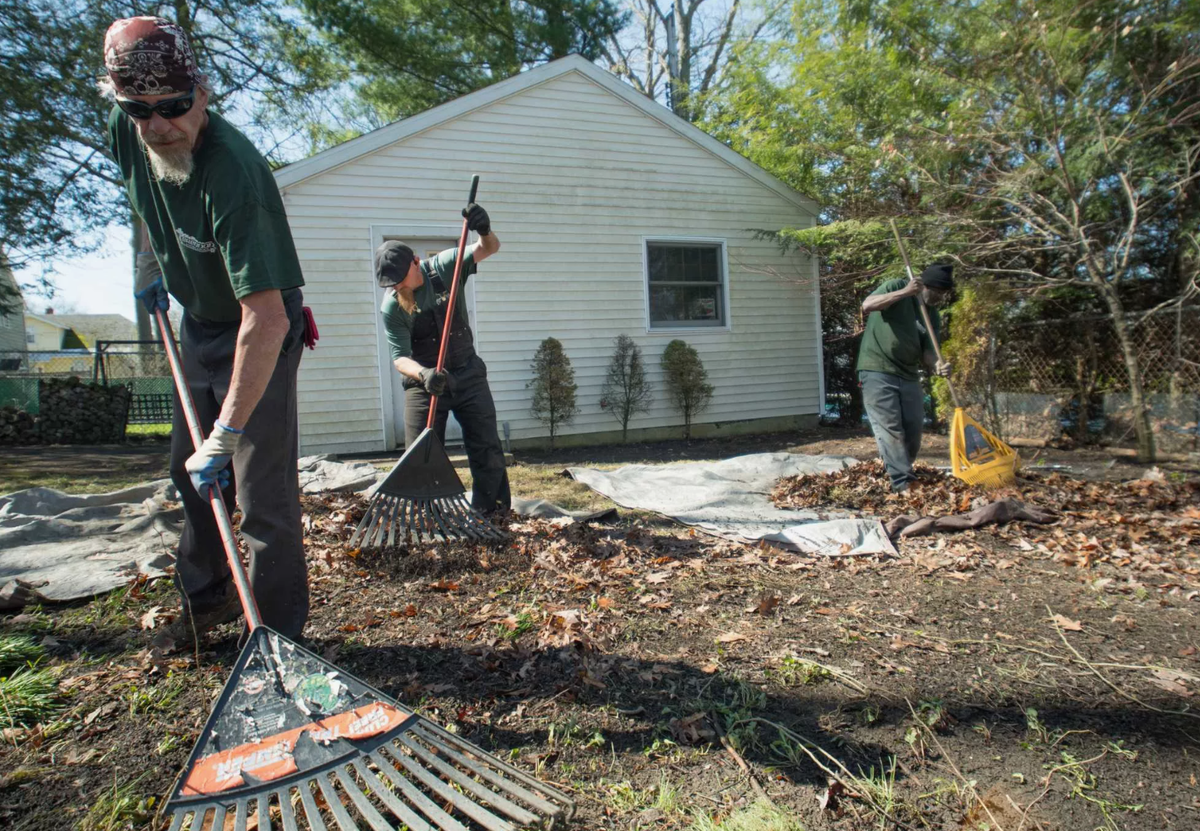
<point>896,409</point>
<point>264,483</point>
<point>470,399</point>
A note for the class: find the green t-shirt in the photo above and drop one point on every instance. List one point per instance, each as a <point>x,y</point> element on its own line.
<point>423,324</point>
<point>895,338</point>
<point>220,236</point>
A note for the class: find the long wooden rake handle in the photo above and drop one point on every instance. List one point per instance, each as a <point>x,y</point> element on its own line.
<point>454,286</point>
<point>224,524</point>
<point>937,349</point>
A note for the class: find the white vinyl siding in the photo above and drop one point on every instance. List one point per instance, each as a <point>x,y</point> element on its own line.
<point>576,180</point>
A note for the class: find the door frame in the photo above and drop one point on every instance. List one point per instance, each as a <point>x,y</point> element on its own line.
<point>378,233</point>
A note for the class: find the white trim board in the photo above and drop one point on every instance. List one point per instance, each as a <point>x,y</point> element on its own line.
<point>348,151</point>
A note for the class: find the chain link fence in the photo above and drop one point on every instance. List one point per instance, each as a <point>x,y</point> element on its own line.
<point>140,365</point>
<point>1069,377</point>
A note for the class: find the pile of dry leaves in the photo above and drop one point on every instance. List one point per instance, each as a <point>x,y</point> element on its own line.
<point>864,488</point>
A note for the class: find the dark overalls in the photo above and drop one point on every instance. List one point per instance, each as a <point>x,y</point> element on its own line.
<point>467,395</point>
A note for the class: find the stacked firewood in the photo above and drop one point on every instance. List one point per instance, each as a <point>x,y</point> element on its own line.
<point>76,412</point>
<point>17,427</point>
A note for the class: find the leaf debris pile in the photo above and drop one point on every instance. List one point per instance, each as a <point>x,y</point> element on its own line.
<point>864,488</point>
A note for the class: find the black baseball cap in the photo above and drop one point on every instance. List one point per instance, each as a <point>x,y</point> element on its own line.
<point>392,261</point>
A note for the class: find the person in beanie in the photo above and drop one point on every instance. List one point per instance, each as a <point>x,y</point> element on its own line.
<point>414,311</point>
<point>217,241</point>
<point>894,346</point>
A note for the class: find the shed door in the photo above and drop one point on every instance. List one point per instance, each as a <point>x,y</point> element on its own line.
<point>428,248</point>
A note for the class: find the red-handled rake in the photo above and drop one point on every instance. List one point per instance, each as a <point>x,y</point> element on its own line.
<point>296,743</point>
<point>423,496</point>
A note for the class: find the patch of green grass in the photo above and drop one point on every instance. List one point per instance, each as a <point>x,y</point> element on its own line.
<point>150,698</point>
<point>17,651</point>
<point>534,481</point>
<point>27,696</point>
<point>624,797</point>
<point>147,430</point>
<point>120,807</point>
<point>761,816</point>
<point>796,672</point>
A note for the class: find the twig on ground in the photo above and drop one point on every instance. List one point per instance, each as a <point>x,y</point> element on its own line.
<point>1110,684</point>
<point>737,757</point>
<point>950,761</point>
<point>840,772</point>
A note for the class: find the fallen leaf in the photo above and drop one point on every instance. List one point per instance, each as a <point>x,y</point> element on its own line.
<point>731,637</point>
<point>151,618</point>
<point>445,586</point>
<point>767,604</point>
<point>658,577</point>
<point>1066,623</point>
<point>605,603</point>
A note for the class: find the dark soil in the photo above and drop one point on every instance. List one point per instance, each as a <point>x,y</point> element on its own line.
<point>1009,678</point>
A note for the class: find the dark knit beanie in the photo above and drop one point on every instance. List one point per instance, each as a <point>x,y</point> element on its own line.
<point>938,276</point>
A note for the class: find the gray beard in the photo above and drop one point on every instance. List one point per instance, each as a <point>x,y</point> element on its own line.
<point>173,167</point>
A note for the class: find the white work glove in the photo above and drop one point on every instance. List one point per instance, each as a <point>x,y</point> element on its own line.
<point>942,368</point>
<point>209,466</point>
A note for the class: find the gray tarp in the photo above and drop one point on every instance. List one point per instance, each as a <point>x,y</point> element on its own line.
<point>65,547</point>
<point>56,546</point>
<point>730,499</point>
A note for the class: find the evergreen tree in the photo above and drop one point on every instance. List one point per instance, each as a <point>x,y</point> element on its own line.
<point>553,385</point>
<point>626,391</point>
<point>687,382</point>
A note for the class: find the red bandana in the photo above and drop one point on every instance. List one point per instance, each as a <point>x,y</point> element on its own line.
<point>149,56</point>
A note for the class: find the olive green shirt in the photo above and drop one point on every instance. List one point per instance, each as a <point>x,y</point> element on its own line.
<point>223,233</point>
<point>400,326</point>
<point>895,339</point>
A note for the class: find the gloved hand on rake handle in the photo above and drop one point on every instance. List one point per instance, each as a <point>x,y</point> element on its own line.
<point>209,465</point>
<point>434,381</point>
<point>477,219</point>
<point>148,284</point>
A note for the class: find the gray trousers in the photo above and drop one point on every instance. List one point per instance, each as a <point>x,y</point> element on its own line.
<point>470,399</point>
<point>896,409</point>
<point>264,483</point>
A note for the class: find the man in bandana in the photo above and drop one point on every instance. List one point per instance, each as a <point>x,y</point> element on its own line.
<point>894,346</point>
<point>218,241</point>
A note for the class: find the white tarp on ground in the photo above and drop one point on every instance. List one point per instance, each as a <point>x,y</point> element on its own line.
<point>730,499</point>
<point>63,547</point>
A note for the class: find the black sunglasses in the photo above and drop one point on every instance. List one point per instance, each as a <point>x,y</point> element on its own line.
<point>168,109</point>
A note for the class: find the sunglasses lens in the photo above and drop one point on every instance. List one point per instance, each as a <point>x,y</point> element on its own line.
<point>174,109</point>
<point>135,109</point>
<point>171,108</point>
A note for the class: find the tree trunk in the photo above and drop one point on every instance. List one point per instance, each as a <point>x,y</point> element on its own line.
<point>1133,369</point>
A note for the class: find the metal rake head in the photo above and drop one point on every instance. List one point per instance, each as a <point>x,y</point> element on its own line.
<point>295,744</point>
<point>391,519</point>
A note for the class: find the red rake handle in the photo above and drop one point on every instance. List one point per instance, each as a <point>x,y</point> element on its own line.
<point>454,286</point>
<point>224,524</point>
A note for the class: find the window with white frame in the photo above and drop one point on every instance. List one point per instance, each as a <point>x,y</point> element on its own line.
<point>685,281</point>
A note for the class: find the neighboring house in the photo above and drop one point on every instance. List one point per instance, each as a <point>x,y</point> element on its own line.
<point>615,217</point>
<point>92,328</point>
<point>12,323</point>
<point>49,333</point>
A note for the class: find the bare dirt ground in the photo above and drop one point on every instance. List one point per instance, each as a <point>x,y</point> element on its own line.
<point>1013,678</point>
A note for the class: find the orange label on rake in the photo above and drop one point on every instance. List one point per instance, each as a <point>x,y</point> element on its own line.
<point>271,758</point>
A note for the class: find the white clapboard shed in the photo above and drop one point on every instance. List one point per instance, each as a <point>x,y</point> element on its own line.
<point>615,217</point>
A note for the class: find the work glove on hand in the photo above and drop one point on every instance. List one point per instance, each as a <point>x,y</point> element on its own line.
<point>148,284</point>
<point>209,466</point>
<point>477,219</point>
<point>942,368</point>
<point>434,380</point>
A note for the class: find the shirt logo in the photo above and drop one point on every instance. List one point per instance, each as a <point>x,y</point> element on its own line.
<point>188,241</point>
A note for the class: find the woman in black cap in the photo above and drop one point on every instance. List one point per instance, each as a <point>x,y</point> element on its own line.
<point>414,310</point>
<point>895,344</point>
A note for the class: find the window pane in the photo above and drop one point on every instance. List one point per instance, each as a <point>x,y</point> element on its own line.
<point>685,284</point>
